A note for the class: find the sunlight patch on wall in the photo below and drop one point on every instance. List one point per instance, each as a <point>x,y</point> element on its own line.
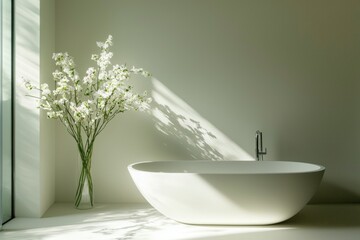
<point>174,117</point>
<point>27,127</point>
<point>27,48</point>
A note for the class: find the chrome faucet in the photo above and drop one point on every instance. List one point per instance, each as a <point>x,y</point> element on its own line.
<point>259,152</point>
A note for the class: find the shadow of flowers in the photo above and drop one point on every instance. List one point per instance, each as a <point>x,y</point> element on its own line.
<point>186,132</point>
<point>184,129</point>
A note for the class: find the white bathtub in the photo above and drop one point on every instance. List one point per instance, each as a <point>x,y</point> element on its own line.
<point>227,192</point>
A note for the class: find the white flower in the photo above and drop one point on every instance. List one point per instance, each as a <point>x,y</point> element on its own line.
<point>87,105</point>
<point>101,105</point>
<point>102,94</point>
<point>45,91</point>
<point>78,87</point>
<point>87,80</point>
<point>91,71</point>
<point>45,105</point>
<point>55,114</point>
<point>28,85</point>
<point>58,57</point>
<point>84,108</point>
<point>136,70</point>
<point>51,115</point>
<point>80,112</point>
<point>104,60</point>
<point>62,100</point>
<point>140,71</point>
<point>95,57</point>
<point>58,75</point>
<point>103,75</point>
<point>100,44</point>
<point>105,45</point>
<point>64,81</point>
<point>146,74</point>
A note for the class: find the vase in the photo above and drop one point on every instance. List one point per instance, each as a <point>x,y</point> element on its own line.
<point>84,197</point>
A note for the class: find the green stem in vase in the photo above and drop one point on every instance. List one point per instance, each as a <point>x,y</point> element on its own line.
<point>85,175</point>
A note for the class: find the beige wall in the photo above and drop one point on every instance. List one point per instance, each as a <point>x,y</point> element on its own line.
<point>222,70</point>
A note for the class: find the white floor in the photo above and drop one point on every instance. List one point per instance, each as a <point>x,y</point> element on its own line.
<point>140,221</point>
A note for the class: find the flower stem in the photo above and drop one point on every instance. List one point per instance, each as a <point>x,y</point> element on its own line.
<point>85,179</point>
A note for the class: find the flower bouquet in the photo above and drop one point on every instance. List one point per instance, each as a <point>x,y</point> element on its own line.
<point>86,105</point>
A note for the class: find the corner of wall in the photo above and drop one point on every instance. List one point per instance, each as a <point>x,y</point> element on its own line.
<point>47,127</point>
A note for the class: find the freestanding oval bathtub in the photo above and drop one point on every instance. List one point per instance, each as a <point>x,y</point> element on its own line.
<point>227,192</point>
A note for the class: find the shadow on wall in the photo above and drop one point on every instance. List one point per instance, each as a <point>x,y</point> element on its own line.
<point>182,125</point>
<point>188,132</point>
<point>328,189</point>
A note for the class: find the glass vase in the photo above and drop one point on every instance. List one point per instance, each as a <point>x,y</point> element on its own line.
<point>84,197</point>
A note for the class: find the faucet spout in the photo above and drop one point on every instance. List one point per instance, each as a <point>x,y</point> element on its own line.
<point>259,152</point>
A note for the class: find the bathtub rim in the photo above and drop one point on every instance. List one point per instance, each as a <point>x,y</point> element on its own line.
<point>317,167</point>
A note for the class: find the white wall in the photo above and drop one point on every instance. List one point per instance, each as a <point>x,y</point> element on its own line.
<point>34,138</point>
<point>222,70</point>
<point>47,128</point>
<point>5,109</point>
